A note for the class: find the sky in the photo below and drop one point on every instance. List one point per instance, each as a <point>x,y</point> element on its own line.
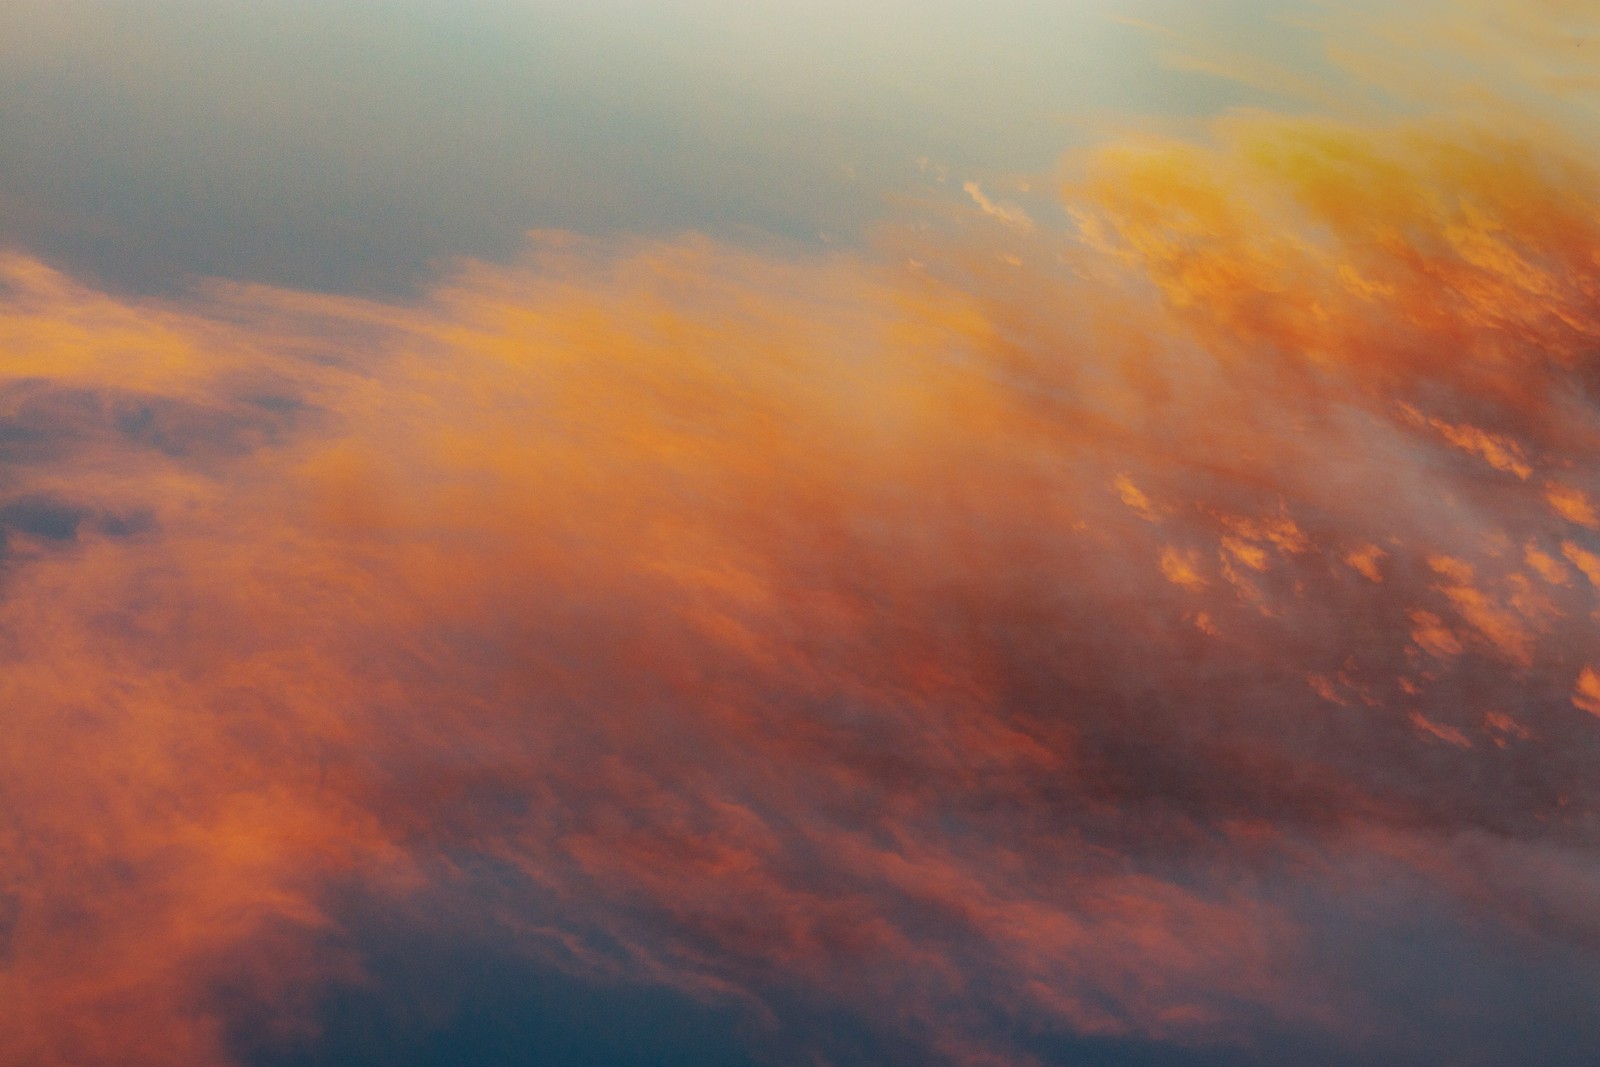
<point>823,534</point>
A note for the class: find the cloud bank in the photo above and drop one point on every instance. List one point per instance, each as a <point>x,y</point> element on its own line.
<point>1173,624</point>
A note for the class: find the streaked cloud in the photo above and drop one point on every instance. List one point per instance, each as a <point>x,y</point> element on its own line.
<point>1122,629</point>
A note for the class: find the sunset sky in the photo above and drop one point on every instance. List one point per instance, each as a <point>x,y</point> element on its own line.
<point>1043,532</point>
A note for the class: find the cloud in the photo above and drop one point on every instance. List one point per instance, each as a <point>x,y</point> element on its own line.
<point>1009,214</point>
<point>1115,646</point>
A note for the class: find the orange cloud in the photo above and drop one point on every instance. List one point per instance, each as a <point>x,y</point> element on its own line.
<point>1586,694</point>
<point>768,622</point>
<point>1573,505</point>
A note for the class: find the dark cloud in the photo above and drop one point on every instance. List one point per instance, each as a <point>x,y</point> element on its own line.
<point>41,517</point>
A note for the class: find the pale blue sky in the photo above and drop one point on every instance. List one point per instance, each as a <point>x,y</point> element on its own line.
<point>348,145</point>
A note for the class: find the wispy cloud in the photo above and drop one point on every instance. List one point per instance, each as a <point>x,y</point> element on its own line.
<point>1009,214</point>
<point>1083,648</point>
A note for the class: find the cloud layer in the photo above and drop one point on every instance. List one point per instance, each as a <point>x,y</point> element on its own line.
<point>1173,623</point>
